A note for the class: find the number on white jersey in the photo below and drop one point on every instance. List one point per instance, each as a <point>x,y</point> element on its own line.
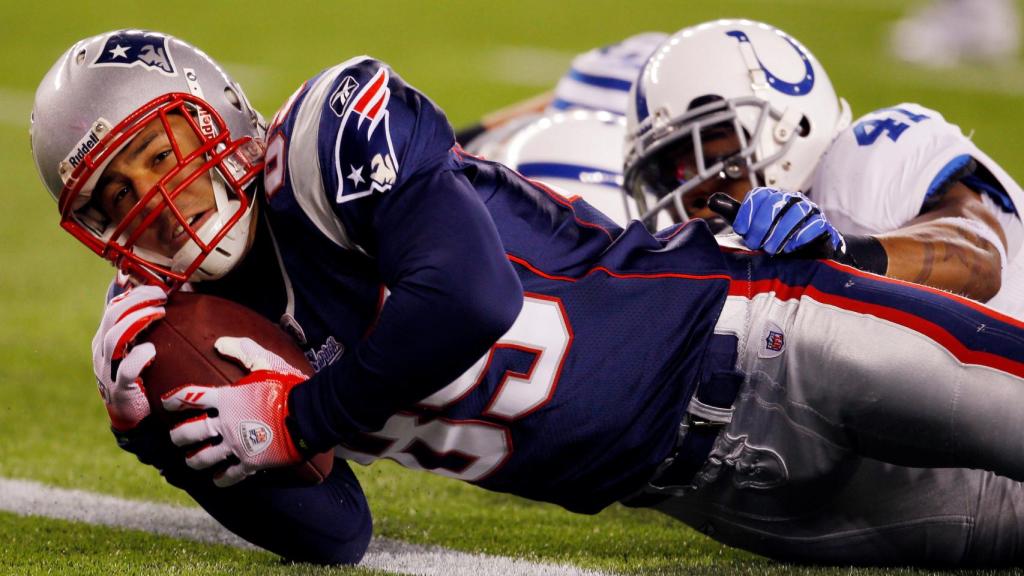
<point>891,124</point>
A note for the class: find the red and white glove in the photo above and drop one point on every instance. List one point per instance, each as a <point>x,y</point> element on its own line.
<point>250,415</point>
<point>118,370</point>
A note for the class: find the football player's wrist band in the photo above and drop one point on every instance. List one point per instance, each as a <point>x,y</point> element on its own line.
<point>300,443</point>
<point>864,252</point>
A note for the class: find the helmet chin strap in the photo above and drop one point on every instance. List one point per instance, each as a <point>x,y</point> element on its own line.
<point>229,250</point>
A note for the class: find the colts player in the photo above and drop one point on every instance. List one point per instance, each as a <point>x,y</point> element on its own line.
<point>918,201</point>
<point>498,333</point>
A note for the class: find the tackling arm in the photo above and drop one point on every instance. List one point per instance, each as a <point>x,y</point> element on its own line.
<point>952,246</point>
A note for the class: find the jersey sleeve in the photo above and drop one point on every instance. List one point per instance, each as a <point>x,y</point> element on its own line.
<point>881,172</point>
<point>878,173</point>
<point>371,164</point>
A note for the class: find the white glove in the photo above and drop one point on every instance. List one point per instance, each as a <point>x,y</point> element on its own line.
<point>250,415</point>
<point>116,368</point>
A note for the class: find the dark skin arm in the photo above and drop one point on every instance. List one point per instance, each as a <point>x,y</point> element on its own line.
<point>938,250</point>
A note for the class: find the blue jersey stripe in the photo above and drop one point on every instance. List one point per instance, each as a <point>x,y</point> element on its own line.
<point>605,82</point>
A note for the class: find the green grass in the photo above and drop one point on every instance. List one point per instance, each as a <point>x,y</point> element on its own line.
<point>52,424</point>
<point>30,546</point>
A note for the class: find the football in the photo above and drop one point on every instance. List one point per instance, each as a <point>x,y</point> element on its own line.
<point>185,355</point>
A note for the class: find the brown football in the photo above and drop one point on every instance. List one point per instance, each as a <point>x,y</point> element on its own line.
<point>185,355</point>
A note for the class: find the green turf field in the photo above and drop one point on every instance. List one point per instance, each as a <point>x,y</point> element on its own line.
<point>470,57</point>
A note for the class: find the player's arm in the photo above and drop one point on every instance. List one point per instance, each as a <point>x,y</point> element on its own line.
<point>452,290</point>
<point>453,294</point>
<point>956,245</point>
<point>329,523</point>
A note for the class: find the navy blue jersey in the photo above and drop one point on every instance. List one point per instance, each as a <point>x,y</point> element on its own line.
<point>466,321</point>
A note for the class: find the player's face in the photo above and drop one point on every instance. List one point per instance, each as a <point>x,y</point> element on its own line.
<point>721,145</point>
<point>139,167</point>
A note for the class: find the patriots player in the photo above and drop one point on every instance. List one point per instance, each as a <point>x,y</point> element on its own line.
<point>916,199</point>
<point>466,321</point>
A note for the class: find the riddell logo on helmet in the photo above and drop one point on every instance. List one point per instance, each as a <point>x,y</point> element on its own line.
<point>82,148</point>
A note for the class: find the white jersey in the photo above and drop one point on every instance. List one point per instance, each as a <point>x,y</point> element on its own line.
<point>878,173</point>
<point>601,78</point>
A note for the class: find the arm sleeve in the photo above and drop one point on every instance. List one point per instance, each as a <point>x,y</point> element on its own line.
<point>453,294</point>
<point>328,523</point>
<point>394,188</point>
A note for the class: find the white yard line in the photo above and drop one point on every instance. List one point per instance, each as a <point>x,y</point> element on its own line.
<point>27,498</point>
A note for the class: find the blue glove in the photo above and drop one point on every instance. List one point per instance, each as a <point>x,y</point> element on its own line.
<point>783,222</point>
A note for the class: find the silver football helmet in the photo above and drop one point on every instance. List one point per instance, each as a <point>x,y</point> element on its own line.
<point>739,78</point>
<point>103,92</point>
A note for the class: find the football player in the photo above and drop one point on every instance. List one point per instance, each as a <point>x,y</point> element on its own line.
<point>918,201</point>
<point>471,323</point>
<point>925,203</point>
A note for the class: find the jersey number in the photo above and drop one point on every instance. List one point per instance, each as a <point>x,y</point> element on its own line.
<point>472,449</point>
<point>868,131</point>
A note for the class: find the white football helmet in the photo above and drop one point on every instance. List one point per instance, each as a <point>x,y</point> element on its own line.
<point>577,153</point>
<point>104,91</point>
<point>744,77</point>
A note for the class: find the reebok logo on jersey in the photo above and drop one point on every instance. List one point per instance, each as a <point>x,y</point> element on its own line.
<point>255,436</point>
<point>773,341</point>
<point>341,96</point>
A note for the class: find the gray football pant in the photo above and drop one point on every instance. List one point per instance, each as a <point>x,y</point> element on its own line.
<point>825,457</point>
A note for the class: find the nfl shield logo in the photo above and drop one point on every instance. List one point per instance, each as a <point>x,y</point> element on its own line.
<point>256,436</point>
<point>773,341</point>
<point>130,48</point>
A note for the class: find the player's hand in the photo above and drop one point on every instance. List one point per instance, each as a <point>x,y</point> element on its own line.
<point>250,415</point>
<point>117,368</point>
<point>784,222</point>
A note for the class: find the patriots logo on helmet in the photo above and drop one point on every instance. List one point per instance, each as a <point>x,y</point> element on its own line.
<point>366,136</point>
<point>137,48</point>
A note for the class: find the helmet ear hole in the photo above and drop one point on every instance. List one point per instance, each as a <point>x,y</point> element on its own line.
<point>232,97</point>
<point>805,126</point>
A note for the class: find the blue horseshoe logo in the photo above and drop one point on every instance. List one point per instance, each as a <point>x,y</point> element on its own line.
<point>791,88</point>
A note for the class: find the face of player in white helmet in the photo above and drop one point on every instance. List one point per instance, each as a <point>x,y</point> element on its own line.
<point>726,106</point>
<point>681,166</point>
